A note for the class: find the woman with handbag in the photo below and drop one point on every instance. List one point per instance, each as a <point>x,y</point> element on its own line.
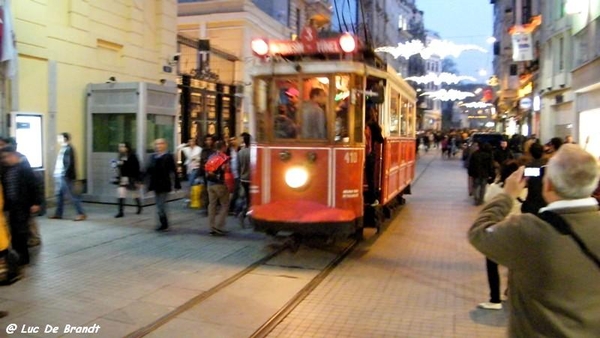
<point>128,177</point>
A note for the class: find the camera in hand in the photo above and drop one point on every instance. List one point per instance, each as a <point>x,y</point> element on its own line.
<point>533,172</point>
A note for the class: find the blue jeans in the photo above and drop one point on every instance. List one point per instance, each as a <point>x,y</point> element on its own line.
<point>64,186</point>
<point>161,204</point>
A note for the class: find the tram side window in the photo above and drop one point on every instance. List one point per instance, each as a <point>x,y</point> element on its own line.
<point>287,103</point>
<point>313,117</point>
<point>342,109</point>
<point>406,116</point>
<point>358,101</point>
<point>261,92</point>
<point>394,114</point>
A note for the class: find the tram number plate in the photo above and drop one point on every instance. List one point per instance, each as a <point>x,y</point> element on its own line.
<point>351,157</point>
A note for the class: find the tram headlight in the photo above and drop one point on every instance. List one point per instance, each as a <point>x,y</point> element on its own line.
<point>347,43</point>
<point>296,177</point>
<point>260,47</point>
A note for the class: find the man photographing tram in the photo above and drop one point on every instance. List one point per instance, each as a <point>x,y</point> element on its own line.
<point>552,256</point>
<point>314,123</point>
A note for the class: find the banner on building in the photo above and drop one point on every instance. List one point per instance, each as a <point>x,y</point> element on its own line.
<point>8,52</point>
<point>522,45</point>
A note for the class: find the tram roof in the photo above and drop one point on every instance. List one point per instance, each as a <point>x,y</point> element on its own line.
<point>331,67</point>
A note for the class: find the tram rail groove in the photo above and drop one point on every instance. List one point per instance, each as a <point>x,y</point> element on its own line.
<point>144,331</point>
<point>280,315</point>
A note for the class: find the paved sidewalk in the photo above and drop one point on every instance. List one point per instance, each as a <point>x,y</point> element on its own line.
<point>120,273</point>
<point>419,278</point>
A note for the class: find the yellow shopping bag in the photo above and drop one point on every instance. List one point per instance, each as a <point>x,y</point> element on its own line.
<point>4,233</point>
<point>195,196</point>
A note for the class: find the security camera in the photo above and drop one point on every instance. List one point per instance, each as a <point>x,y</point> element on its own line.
<point>173,59</point>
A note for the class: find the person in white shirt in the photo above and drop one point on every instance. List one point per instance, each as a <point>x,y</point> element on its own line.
<point>191,151</point>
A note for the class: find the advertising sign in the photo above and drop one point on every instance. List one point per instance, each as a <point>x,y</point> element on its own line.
<point>27,130</point>
<point>522,45</point>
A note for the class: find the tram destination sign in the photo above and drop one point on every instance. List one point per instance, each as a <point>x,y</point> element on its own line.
<point>345,43</point>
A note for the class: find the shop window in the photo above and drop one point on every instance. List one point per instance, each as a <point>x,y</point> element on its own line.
<point>112,129</point>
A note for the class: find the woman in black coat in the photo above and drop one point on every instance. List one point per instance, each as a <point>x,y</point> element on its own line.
<point>128,169</point>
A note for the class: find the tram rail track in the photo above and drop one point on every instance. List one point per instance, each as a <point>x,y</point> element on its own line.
<point>276,318</point>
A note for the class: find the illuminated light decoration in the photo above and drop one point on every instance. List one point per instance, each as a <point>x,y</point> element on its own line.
<point>323,80</point>
<point>341,95</point>
<point>260,47</point>
<point>448,95</point>
<point>483,72</point>
<point>575,6</point>
<point>528,27</point>
<point>441,48</point>
<point>476,105</point>
<point>347,43</point>
<point>439,79</point>
<point>491,40</point>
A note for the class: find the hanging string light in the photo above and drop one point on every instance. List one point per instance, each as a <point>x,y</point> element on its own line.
<point>441,78</point>
<point>441,48</point>
<point>448,95</point>
<point>476,105</point>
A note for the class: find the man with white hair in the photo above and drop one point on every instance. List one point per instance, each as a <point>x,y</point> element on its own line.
<point>553,280</point>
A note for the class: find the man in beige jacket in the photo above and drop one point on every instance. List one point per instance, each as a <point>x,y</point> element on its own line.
<point>554,288</point>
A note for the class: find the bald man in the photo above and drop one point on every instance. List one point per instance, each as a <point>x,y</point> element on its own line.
<point>551,293</point>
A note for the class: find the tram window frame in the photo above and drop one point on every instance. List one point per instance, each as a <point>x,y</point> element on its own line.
<point>394,111</point>
<point>346,124</point>
<point>262,108</point>
<point>294,90</point>
<point>328,111</point>
<point>357,104</point>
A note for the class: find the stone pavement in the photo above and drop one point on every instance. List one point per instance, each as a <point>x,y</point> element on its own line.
<point>419,278</point>
<point>120,273</point>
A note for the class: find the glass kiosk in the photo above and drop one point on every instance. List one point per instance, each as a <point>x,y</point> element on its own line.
<point>134,112</point>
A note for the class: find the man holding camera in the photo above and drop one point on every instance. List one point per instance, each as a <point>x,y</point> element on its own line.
<point>551,288</point>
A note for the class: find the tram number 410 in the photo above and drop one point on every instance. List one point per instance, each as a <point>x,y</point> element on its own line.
<point>351,157</point>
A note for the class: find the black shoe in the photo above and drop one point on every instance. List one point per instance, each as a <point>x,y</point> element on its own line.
<point>3,314</point>
<point>217,232</point>
<point>162,229</point>
<point>119,215</point>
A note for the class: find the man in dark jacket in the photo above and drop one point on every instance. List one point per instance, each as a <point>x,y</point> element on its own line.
<point>207,151</point>
<point>503,153</point>
<point>64,178</point>
<point>534,201</point>
<point>161,167</point>
<point>21,199</point>
<point>373,140</point>
<point>481,169</point>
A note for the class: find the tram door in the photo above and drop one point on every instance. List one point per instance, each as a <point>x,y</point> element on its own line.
<point>375,103</point>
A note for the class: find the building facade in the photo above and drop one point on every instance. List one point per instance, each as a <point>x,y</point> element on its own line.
<point>65,45</point>
<point>229,27</point>
<point>432,118</point>
<point>585,16</point>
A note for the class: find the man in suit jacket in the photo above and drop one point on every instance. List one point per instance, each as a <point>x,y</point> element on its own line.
<point>552,292</point>
<point>64,178</point>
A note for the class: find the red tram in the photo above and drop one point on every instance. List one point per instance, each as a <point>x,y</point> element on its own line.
<point>308,164</point>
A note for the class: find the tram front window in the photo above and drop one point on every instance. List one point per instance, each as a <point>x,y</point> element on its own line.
<point>284,122</point>
<point>314,120</point>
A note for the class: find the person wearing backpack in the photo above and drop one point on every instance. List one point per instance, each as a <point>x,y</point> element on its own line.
<point>215,170</point>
